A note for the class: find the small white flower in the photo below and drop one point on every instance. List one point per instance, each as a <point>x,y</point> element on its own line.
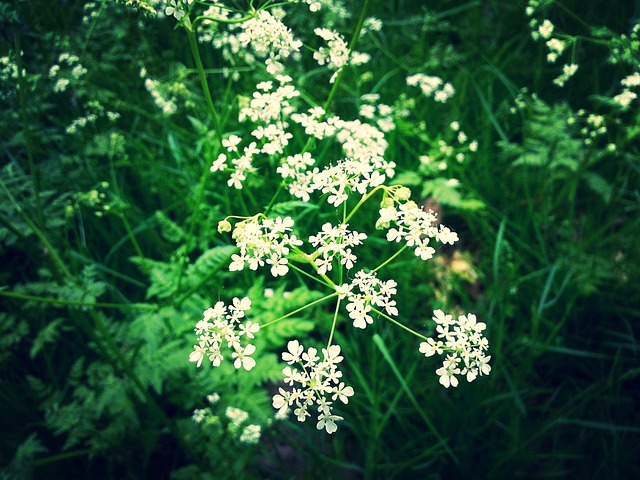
<point>231,143</point>
<point>242,357</point>
<point>328,422</point>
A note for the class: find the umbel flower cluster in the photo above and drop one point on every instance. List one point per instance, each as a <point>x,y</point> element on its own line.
<point>314,382</point>
<point>336,165</point>
<point>222,326</point>
<point>463,338</point>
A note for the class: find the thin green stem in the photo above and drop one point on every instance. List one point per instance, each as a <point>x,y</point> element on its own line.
<point>390,259</point>
<point>298,310</point>
<point>195,52</point>
<point>273,199</point>
<point>352,44</point>
<point>228,21</point>
<point>314,266</point>
<point>73,303</point>
<point>123,217</point>
<point>57,261</point>
<point>91,30</point>
<point>26,128</point>
<point>334,322</point>
<point>363,201</point>
<point>299,270</point>
<point>395,322</point>
<point>62,456</point>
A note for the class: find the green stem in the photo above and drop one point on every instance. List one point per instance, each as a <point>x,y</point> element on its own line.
<point>73,303</point>
<point>391,258</point>
<point>230,21</point>
<point>352,44</point>
<point>195,52</point>
<point>57,261</point>
<point>394,321</point>
<point>298,310</point>
<point>122,216</point>
<point>62,456</point>
<point>35,181</point>
<point>334,322</point>
<point>314,266</point>
<point>91,30</point>
<point>362,201</point>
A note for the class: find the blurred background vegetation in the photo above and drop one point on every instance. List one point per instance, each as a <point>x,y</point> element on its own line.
<point>109,253</point>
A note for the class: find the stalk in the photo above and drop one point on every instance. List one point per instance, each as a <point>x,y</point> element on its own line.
<point>352,44</point>
<point>35,181</point>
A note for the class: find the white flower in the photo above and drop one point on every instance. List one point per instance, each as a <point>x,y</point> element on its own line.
<point>249,329</point>
<point>281,401</point>
<point>250,435</point>
<point>318,380</point>
<point>447,377</point>
<point>466,347</point>
<point>625,98</point>
<point>328,422</point>
<point>546,29</point>
<point>175,9</point>
<point>631,80</point>
<point>343,392</point>
<point>197,355</point>
<point>219,164</point>
<point>231,143</point>
<point>242,357</point>
<point>293,355</point>
<point>221,325</point>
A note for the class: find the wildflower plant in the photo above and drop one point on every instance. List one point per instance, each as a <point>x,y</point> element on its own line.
<point>289,141</point>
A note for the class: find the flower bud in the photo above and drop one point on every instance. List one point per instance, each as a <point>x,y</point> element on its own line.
<point>224,226</point>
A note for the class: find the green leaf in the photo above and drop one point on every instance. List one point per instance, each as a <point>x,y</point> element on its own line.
<point>598,185</point>
<point>168,228</point>
<point>48,334</point>
<point>163,276</point>
<point>407,178</point>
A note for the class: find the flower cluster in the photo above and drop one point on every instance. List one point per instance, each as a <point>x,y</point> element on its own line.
<point>432,86</point>
<point>267,104</point>
<point>372,109</point>
<point>264,240</point>
<point>335,241</point>
<point>364,168</point>
<point>221,325</point>
<point>466,345</point>
<point>313,125</point>
<point>336,54</point>
<point>567,72</point>
<point>593,125</point>
<point>627,96</point>
<point>163,99</point>
<point>346,176</point>
<point>75,71</point>
<point>365,292</point>
<point>556,47</point>
<point>268,37</point>
<point>241,164</point>
<point>414,226</point>
<point>314,382</point>
<point>237,418</point>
